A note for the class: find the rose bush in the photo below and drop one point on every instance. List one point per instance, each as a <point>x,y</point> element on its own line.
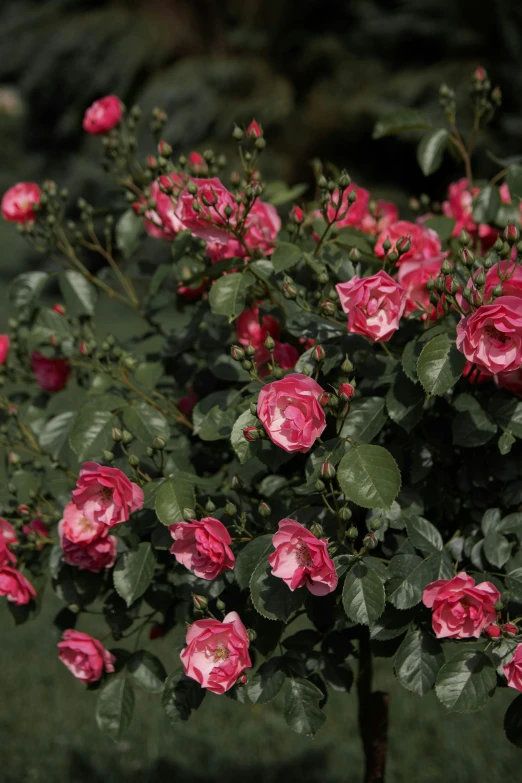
<point>304,452</point>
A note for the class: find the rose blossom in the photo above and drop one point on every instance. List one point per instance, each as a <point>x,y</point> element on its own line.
<point>15,586</point>
<point>203,547</point>
<point>216,653</point>
<point>492,336</point>
<point>513,670</point>
<point>106,494</point>
<point>374,305</point>
<point>18,202</point>
<point>6,556</point>
<point>355,212</point>
<point>461,609</point>
<point>262,226</point>
<point>384,215</point>
<point>77,528</point>
<point>300,559</point>
<point>414,276</point>
<point>84,656</point>
<point>290,412</point>
<point>345,391</point>
<point>91,556</point>
<point>161,222</point>
<point>424,242</point>
<point>7,532</point>
<point>254,329</point>
<point>285,356</point>
<point>208,222</point>
<point>103,115</point>
<point>4,347</point>
<point>510,287</point>
<point>51,374</point>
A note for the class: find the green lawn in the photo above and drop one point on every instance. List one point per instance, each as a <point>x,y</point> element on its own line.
<point>48,732</point>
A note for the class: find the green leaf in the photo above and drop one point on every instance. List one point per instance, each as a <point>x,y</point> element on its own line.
<point>514,584</point>
<point>272,597</point>
<point>440,365</point>
<point>265,684</point>
<point>418,661</point>
<point>497,549</point>
<point>365,420</point>
<point>302,712</point>
<point>174,495</point>
<point>472,426</point>
<point>55,435</point>
<point>115,706</point>
<point>486,205</point>
<point>442,225</point>
<point>514,181</point>
<point>228,294</point>
<point>490,521</point>
<point>309,325</point>
<point>505,442</point>
<point>240,444</point>
<point>26,289</point>
<point>392,623</point>
<point>80,295</point>
<point>181,695</point>
<point>410,357</point>
<point>466,681</point>
<point>133,572</point>
<point>405,402</point>
<point>249,557</point>
<point>423,535</point>
<point>508,415</point>
<point>128,230</point>
<point>408,575</point>
<point>369,476</point>
<point>400,120</point>
<point>278,193</point>
<point>513,722</point>
<point>146,422</point>
<point>363,593</point>
<point>285,256</point>
<point>147,670</point>
<point>91,432</point>
<point>431,150</point>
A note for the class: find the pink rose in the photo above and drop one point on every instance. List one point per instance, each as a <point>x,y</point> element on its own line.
<point>262,226</point>
<point>77,528</point>
<point>51,374</point>
<point>208,220</point>
<point>461,609</point>
<point>384,215</point>
<point>84,656</point>
<point>350,214</point>
<point>290,412</point>
<point>492,335</point>
<point>374,305</point>
<point>4,347</point>
<point>203,547</point>
<point>413,276</point>
<point>285,356</point>
<point>217,251</point>
<point>103,115</point>
<point>92,556</point>
<point>424,242</point>
<point>18,202</point>
<point>106,494</point>
<point>513,670</point>
<point>197,163</point>
<point>7,532</point>
<point>345,391</point>
<point>15,586</point>
<point>162,222</point>
<point>302,560</point>
<point>6,556</point>
<point>459,206</point>
<point>216,653</point>
<point>254,329</point>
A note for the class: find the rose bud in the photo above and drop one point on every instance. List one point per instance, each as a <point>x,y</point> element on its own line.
<point>318,353</point>
<point>345,391</point>
<point>510,628</point>
<point>254,130</point>
<point>103,115</point>
<point>297,215</point>
<point>493,631</point>
<point>251,433</point>
<point>58,308</point>
<point>200,602</point>
<point>327,470</point>
<point>164,149</point>
<point>323,399</point>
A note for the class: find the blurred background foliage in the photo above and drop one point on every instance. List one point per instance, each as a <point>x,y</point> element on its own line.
<point>316,75</point>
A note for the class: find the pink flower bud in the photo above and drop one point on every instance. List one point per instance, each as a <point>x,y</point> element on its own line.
<point>510,628</point>
<point>198,163</point>
<point>164,148</point>
<point>254,130</point>
<point>251,433</point>
<point>297,215</point>
<point>152,163</point>
<point>23,510</point>
<point>4,348</point>
<point>493,631</point>
<point>323,399</point>
<point>58,308</point>
<point>318,353</point>
<point>345,391</point>
<point>480,74</point>
<point>103,115</point>
<point>83,348</point>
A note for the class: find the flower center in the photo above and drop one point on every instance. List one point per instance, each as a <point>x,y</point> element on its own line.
<point>106,496</point>
<point>221,653</point>
<point>303,556</point>
<point>494,334</point>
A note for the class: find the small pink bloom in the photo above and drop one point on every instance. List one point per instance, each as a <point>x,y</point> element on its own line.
<point>36,527</point>
<point>492,336</point>
<point>285,356</point>
<point>18,202</point>
<point>94,555</point>
<point>262,227</point>
<point>103,115</point>
<point>7,532</point>
<point>513,670</point>
<point>290,412</point>
<point>374,305</point>
<point>510,628</point>
<point>250,433</point>
<point>84,656</point>
<point>345,391</point>
<point>77,528</point>
<point>510,287</point>
<point>460,206</point>
<point>4,348</point>
<point>198,163</point>
<point>51,374</point>
<point>161,221</point>
<point>254,130</point>
<point>6,556</point>
<point>59,309</point>
<point>208,221</point>
<point>106,495</point>
<point>493,631</point>
<point>254,329</point>
<point>297,215</point>
<point>424,242</point>
<point>461,609</point>
<point>202,546</point>
<point>15,586</point>
<point>216,654</point>
<point>414,276</point>
<point>218,251</point>
<point>302,560</point>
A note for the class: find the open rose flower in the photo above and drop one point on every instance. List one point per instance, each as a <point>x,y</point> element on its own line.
<point>513,669</point>
<point>106,495</point>
<point>161,222</point>
<point>374,305</point>
<point>302,560</point>
<point>208,221</point>
<point>202,546</point>
<point>262,226</point>
<point>253,328</point>
<point>216,653</point>
<point>51,374</point>
<point>18,202</point>
<point>290,412</point>
<point>94,555</point>
<point>492,335</point>
<point>424,242</point>
<point>84,656</point>
<point>7,532</point>
<point>103,115</point>
<point>414,276</point>
<point>77,528</point>
<point>461,609</point>
<point>15,586</point>
<point>459,205</point>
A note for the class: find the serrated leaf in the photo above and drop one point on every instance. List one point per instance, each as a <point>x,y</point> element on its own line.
<point>400,120</point>
<point>369,476</point>
<point>472,426</point>
<point>302,712</point>
<point>365,419</point>
<point>497,549</point>
<point>265,684</point>
<point>466,681</point>
<point>418,661</point>
<point>181,695</point>
<point>309,325</point>
<point>405,402</point>
<point>249,558</point>
<point>514,584</point>
<point>505,442</point>
<point>147,670</point>
<point>228,294</point>
<point>80,295</point>
<point>26,288</point>
<point>55,434</point>
<point>408,575</point>
<point>440,365</point>
<point>363,593</point>
<point>172,497</point>
<point>508,415</point>
<point>128,230</point>
<point>91,432</point>
<point>272,597</point>
<point>133,572</point>
<point>115,706</point>
<point>286,255</point>
<point>146,422</point>
<point>431,150</point>
<point>486,204</point>
<point>423,535</point>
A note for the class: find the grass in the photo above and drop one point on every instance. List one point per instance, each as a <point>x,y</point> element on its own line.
<point>48,732</point>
